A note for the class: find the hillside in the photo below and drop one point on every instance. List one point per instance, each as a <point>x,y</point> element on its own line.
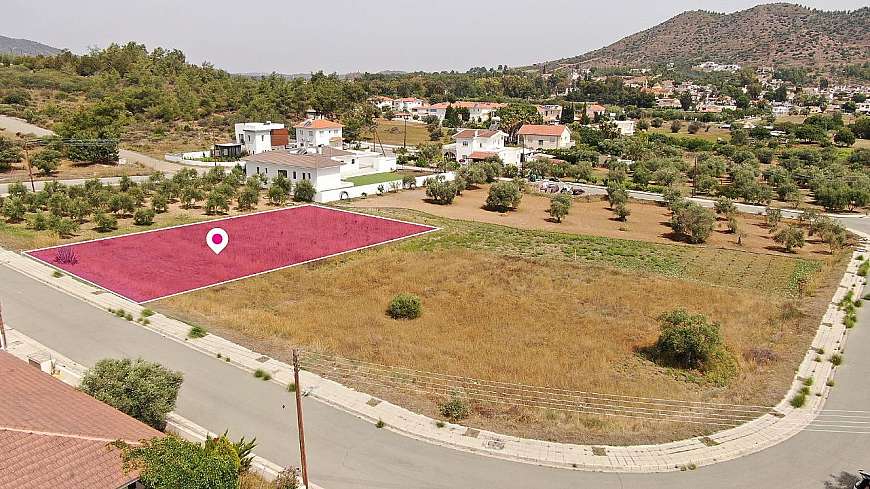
<point>779,34</point>
<point>25,47</point>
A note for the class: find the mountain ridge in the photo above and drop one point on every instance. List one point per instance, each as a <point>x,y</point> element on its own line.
<point>778,34</point>
<point>11,45</point>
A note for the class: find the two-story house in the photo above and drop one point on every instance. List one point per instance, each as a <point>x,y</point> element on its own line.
<point>318,132</point>
<point>257,137</point>
<point>533,136</point>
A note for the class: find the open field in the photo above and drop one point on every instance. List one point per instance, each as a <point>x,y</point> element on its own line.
<point>591,216</point>
<point>393,132</point>
<point>69,170</point>
<point>533,307</point>
<point>147,266</point>
<point>385,177</point>
<point>713,134</point>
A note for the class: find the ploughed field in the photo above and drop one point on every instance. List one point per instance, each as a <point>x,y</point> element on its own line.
<point>557,313</point>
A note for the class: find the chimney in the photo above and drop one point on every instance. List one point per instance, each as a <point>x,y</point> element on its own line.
<point>268,123</point>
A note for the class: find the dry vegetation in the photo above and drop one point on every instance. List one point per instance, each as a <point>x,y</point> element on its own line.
<point>18,237</point>
<point>590,216</point>
<point>534,307</point>
<point>70,170</point>
<point>393,132</point>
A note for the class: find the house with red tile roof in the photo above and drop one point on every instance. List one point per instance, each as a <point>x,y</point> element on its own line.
<point>314,132</point>
<point>538,136</point>
<point>52,435</point>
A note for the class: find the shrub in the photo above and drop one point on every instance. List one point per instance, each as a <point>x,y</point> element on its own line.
<point>440,191</point>
<point>217,202</point>
<point>14,209</point>
<point>105,222</point>
<point>47,161</point>
<point>144,390</point>
<point>724,206</point>
<point>277,194</point>
<point>622,211</point>
<point>409,182</point>
<point>197,332</point>
<point>799,400</point>
<point>559,206</point>
<point>676,125</point>
<point>380,424</point>
<point>790,237</point>
<point>170,462</point>
<point>693,222</point>
<point>287,479</point>
<point>503,197</point>
<point>304,191</point>
<point>836,359</point>
<point>773,216</point>
<point>688,340</point>
<point>249,197</point>
<point>405,306</point>
<point>160,203</point>
<point>454,409</point>
<point>262,374</point>
<point>144,217</point>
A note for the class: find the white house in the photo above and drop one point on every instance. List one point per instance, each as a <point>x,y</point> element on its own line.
<point>551,114</point>
<point>318,132</point>
<point>323,166</point>
<point>532,136</point>
<point>669,103</point>
<point>256,137</point>
<point>381,102</point>
<point>406,104</point>
<point>626,128</point>
<point>862,108</point>
<point>480,144</point>
<point>477,111</point>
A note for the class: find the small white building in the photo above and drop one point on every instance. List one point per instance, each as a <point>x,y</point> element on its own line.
<point>551,114</point>
<point>257,137</point>
<point>477,111</point>
<point>480,144</point>
<point>296,165</point>
<point>381,102</point>
<point>626,128</point>
<point>532,136</point>
<point>312,133</point>
<point>669,103</point>
<point>324,166</point>
<point>406,104</point>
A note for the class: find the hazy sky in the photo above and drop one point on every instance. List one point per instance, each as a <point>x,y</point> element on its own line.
<point>292,36</point>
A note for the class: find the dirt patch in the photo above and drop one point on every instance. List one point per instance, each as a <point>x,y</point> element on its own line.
<point>590,216</point>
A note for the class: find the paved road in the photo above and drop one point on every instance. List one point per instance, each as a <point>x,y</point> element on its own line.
<point>348,453</point>
<point>15,125</point>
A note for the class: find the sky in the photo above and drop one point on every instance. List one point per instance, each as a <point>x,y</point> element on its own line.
<point>303,36</point>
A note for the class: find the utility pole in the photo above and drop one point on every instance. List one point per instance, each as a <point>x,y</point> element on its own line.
<point>300,425</point>
<point>405,137</point>
<point>29,166</point>
<point>3,344</point>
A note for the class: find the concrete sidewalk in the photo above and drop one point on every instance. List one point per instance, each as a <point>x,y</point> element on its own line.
<point>778,425</point>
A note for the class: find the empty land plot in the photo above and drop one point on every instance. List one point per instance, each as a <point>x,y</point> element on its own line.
<point>154,264</point>
<point>531,307</point>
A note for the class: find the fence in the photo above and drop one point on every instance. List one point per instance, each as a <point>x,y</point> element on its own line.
<point>371,189</point>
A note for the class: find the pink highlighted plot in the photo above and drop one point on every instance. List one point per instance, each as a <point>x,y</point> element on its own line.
<point>155,264</point>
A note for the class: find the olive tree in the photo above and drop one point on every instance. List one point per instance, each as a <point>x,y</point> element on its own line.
<point>144,390</point>
<point>559,206</point>
<point>693,222</point>
<point>503,196</point>
<point>790,237</point>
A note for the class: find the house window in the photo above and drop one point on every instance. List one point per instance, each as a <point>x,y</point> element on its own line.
<point>465,143</point>
<point>282,173</point>
<point>262,137</point>
<point>258,170</point>
<point>540,142</point>
<point>294,175</point>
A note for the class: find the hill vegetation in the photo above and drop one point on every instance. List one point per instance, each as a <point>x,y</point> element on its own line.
<point>778,34</point>
<point>25,47</point>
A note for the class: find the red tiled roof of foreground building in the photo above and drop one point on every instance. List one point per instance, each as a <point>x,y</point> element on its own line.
<point>482,155</point>
<point>52,435</point>
<point>540,130</point>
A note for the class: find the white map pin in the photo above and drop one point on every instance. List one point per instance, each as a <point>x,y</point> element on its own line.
<point>217,239</point>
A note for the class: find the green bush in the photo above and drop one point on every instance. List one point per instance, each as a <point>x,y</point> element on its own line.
<point>441,191</point>
<point>503,197</point>
<point>105,222</point>
<point>836,359</point>
<point>454,409</point>
<point>799,400</point>
<point>171,462</point>
<point>693,222</point>
<point>559,206</point>
<point>144,390</point>
<point>405,306</point>
<point>197,332</point>
<point>144,217</point>
<point>688,340</point>
<point>304,191</point>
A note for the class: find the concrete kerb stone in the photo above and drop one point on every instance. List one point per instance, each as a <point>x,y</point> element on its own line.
<point>751,437</point>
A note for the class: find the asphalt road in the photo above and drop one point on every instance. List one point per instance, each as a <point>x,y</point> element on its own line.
<point>346,452</point>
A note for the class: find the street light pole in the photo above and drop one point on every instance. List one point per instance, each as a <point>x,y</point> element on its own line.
<point>3,344</point>
<point>299,423</point>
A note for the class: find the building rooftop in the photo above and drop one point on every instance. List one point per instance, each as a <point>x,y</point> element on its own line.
<point>52,435</point>
<point>259,126</point>
<point>298,158</point>
<point>475,133</point>
<point>318,124</point>
<point>540,130</point>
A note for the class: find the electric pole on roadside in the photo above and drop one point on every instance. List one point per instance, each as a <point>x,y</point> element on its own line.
<point>300,425</point>
<point>29,165</point>
<point>3,344</point>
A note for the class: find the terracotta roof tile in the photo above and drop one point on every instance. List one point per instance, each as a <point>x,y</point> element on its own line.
<point>318,124</point>
<point>540,130</point>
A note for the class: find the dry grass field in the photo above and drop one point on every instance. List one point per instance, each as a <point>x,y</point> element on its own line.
<point>393,132</point>
<point>534,307</point>
<point>70,170</point>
